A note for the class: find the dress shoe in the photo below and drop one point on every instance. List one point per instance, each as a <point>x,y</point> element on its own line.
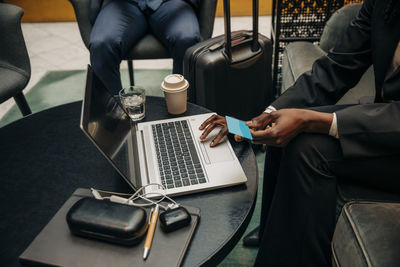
<point>252,239</point>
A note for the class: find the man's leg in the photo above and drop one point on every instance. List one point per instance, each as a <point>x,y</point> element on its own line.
<point>175,24</point>
<point>271,169</point>
<point>118,26</point>
<point>301,219</point>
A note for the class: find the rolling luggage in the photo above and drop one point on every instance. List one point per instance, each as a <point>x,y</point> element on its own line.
<point>231,74</point>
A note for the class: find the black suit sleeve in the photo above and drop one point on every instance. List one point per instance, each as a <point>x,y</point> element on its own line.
<point>371,130</point>
<point>333,75</point>
<point>364,130</point>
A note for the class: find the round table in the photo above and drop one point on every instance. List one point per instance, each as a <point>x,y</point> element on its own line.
<point>45,157</point>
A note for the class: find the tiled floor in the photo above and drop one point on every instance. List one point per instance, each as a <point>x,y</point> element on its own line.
<point>58,46</point>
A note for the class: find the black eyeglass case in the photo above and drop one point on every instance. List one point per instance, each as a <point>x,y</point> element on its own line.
<point>107,221</point>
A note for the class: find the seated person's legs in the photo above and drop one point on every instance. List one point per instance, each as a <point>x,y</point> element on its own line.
<point>301,217</point>
<point>118,26</point>
<point>271,169</point>
<point>175,24</point>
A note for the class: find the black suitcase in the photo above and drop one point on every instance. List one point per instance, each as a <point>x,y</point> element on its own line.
<point>231,74</point>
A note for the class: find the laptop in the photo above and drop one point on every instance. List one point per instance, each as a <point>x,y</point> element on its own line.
<point>167,152</point>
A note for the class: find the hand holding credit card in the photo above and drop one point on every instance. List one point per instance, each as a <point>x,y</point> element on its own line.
<point>238,127</point>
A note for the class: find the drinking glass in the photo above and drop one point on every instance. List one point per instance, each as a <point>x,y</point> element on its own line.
<point>133,98</point>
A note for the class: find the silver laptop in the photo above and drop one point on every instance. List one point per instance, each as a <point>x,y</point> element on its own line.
<point>167,152</point>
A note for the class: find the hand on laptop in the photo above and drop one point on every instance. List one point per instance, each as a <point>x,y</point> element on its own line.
<point>219,121</point>
<point>210,124</point>
<point>276,128</point>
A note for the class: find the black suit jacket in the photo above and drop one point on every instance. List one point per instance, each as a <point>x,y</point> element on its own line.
<point>96,5</point>
<point>364,130</point>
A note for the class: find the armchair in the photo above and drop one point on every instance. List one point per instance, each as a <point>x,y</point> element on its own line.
<point>15,69</point>
<point>298,57</point>
<point>148,47</point>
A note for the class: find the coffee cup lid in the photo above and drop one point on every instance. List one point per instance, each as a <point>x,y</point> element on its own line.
<point>174,83</point>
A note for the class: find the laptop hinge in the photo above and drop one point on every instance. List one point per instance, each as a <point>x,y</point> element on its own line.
<point>145,157</point>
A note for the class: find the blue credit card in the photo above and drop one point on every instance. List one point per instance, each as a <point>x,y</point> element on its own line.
<point>238,127</point>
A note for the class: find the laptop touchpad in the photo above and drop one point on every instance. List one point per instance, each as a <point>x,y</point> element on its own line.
<point>216,154</point>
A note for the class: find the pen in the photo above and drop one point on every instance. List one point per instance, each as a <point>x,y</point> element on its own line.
<point>150,232</point>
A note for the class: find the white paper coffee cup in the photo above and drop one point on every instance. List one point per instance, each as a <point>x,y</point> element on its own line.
<point>175,90</point>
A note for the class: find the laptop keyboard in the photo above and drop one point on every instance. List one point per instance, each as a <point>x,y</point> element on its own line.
<point>177,157</point>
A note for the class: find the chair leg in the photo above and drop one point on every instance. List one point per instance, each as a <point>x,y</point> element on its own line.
<point>22,104</point>
<point>130,70</point>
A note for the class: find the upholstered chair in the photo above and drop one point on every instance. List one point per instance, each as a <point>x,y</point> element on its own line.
<point>148,47</point>
<point>15,68</point>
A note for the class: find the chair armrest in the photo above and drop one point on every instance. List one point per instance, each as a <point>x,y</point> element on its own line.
<point>367,234</point>
<point>206,16</point>
<point>298,57</point>
<point>337,25</point>
<point>82,13</point>
<point>13,53</point>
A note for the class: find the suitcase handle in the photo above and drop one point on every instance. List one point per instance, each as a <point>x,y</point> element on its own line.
<point>227,24</point>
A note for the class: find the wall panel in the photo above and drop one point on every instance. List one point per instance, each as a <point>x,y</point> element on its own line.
<point>45,10</point>
<point>61,10</point>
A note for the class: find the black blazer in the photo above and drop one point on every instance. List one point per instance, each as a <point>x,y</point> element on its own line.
<point>96,5</point>
<point>364,130</point>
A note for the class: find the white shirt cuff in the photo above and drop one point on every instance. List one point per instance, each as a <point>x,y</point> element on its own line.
<point>333,131</point>
<point>269,109</point>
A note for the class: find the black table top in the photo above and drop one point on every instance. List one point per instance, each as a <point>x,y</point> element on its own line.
<point>44,157</point>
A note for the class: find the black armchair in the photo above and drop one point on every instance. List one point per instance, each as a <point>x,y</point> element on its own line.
<point>298,57</point>
<point>148,47</point>
<point>15,69</point>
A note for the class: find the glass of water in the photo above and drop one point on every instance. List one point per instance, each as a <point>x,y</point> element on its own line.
<point>133,98</point>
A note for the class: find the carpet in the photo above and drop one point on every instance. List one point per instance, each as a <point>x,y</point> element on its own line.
<point>60,87</point>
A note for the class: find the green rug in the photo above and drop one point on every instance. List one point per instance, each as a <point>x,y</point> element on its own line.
<point>60,87</point>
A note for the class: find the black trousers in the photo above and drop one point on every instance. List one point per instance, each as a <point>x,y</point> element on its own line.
<point>121,24</point>
<point>299,197</point>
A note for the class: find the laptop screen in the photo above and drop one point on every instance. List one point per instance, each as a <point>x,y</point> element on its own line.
<point>109,128</point>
